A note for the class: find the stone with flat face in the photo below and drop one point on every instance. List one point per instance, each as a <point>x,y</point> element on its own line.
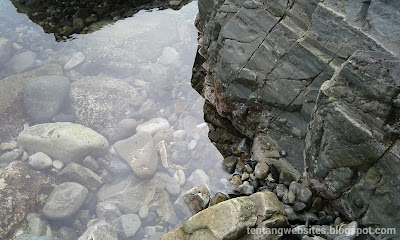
<point>67,142</point>
<point>140,153</point>
<point>65,200</point>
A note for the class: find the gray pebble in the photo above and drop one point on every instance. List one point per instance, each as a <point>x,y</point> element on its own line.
<point>143,212</point>
<point>40,161</point>
<point>261,170</point>
<point>289,198</point>
<point>245,188</point>
<point>91,163</point>
<point>299,206</point>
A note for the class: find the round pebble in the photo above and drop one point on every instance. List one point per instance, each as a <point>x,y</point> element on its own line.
<point>143,212</point>
<point>283,153</point>
<point>40,161</point>
<point>57,164</point>
<point>180,177</point>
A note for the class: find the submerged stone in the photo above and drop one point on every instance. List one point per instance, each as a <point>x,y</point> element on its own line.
<point>45,96</point>
<point>65,200</point>
<point>67,142</point>
<point>140,153</point>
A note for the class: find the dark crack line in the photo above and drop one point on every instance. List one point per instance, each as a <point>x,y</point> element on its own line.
<point>242,41</point>
<point>288,8</point>
<point>323,69</point>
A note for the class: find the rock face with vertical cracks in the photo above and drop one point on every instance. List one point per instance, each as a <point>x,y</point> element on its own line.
<point>328,70</point>
<point>352,146</point>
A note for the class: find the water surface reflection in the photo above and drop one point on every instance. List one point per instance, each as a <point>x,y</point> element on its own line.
<point>129,76</point>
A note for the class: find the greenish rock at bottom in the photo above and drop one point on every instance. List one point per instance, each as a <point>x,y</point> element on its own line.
<point>231,219</point>
<point>32,237</point>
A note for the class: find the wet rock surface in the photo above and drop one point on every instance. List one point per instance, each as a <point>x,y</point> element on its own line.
<point>367,157</point>
<point>316,90</point>
<point>141,145</point>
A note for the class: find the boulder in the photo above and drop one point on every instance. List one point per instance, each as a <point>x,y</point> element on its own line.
<point>231,218</point>
<point>101,102</point>
<point>65,200</point>
<point>67,142</point>
<point>12,111</point>
<point>45,96</point>
<point>140,153</point>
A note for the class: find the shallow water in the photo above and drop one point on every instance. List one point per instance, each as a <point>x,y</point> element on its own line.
<point>153,52</point>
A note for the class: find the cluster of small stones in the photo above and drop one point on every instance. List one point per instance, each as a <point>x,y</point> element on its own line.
<point>82,164</point>
<point>248,177</point>
<point>64,18</point>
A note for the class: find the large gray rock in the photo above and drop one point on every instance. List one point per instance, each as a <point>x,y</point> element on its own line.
<point>67,142</point>
<point>101,102</point>
<point>12,111</point>
<point>140,153</point>
<point>267,59</point>
<point>45,96</point>
<point>355,163</point>
<point>65,200</point>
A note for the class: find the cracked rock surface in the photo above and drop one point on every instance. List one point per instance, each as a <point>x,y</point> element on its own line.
<point>316,84</point>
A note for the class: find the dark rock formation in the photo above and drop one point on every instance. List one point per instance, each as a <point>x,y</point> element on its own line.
<point>352,147</point>
<point>315,81</point>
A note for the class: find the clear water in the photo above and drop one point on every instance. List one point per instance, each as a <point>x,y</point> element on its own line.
<point>153,51</point>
